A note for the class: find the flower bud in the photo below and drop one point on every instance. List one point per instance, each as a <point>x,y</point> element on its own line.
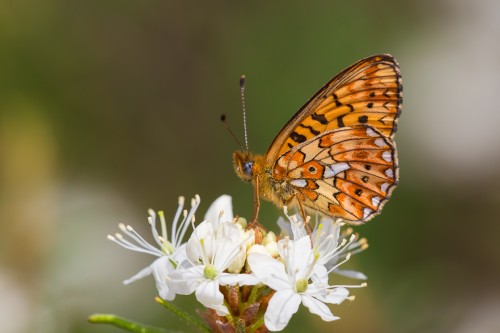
<point>270,238</point>
<point>272,249</point>
<point>238,262</point>
<point>242,222</point>
<point>249,235</point>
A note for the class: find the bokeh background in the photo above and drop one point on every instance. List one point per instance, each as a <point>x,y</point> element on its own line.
<point>111,107</point>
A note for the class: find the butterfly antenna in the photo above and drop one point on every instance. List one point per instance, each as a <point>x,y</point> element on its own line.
<point>242,90</point>
<point>223,120</point>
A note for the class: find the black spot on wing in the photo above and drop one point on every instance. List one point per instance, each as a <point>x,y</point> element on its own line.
<point>320,118</point>
<point>336,100</point>
<point>363,119</point>
<point>299,138</point>
<point>340,121</point>
<point>311,129</point>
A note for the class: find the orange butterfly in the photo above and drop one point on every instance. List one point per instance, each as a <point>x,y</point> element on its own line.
<point>336,155</point>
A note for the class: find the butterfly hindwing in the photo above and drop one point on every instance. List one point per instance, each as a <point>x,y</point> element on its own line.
<point>348,172</point>
<point>366,93</point>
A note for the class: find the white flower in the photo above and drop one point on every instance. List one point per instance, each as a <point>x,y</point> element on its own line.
<point>349,244</point>
<point>210,252</point>
<point>169,251</point>
<point>220,211</point>
<point>298,278</point>
<point>328,241</point>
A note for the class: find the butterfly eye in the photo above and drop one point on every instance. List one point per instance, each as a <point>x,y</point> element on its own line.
<point>248,168</point>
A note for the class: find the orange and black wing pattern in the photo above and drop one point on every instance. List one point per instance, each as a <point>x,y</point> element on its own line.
<point>347,172</point>
<point>367,93</point>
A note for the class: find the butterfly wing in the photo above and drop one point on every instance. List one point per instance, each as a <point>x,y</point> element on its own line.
<point>348,172</point>
<point>368,92</point>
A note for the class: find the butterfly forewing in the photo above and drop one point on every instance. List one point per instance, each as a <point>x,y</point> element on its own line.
<point>368,92</point>
<point>348,172</point>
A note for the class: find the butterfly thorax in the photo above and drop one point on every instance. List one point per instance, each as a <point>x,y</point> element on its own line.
<point>253,168</point>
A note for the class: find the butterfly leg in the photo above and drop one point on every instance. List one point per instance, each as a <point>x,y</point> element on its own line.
<point>304,217</point>
<point>256,204</point>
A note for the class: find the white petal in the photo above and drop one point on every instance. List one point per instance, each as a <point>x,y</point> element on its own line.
<point>221,310</point>
<point>335,296</point>
<point>281,308</point>
<point>331,227</point>
<point>185,281</point>
<point>209,295</point>
<point>332,262</point>
<point>227,245</point>
<point>228,230</point>
<point>205,233</point>
<point>241,279</point>
<point>179,254</point>
<point>141,274</point>
<point>320,274</point>
<point>299,256</point>
<point>285,227</point>
<point>221,204</point>
<point>350,274</point>
<point>269,270</point>
<point>298,226</point>
<point>162,268</point>
<point>318,308</point>
<point>325,239</point>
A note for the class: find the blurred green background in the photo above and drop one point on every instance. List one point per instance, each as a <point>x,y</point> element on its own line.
<point>111,107</point>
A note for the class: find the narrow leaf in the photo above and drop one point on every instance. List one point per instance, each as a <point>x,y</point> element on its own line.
<point>123,323</point>
<point>183,315</point>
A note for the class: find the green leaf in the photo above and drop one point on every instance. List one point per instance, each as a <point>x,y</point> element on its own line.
<point>128,325</point>
<point>183,315</point>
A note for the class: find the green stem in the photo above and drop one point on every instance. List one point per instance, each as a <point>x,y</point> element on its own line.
<point>183,315</point>
<point>254,294</point>
<point>128,325</point>
<point>240,326</point>
<point>256,325</point>
<point>229,317</point>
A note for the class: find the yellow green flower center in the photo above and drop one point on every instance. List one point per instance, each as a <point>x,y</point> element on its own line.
<point>210,272</point>
<point>301,285</point>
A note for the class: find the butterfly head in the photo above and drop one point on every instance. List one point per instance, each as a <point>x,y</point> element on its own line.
<point>244,164</point>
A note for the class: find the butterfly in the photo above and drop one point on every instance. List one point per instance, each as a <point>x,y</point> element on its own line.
<point>337,155</point>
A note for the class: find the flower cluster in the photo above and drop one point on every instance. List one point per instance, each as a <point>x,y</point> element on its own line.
<point>248,279</point>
